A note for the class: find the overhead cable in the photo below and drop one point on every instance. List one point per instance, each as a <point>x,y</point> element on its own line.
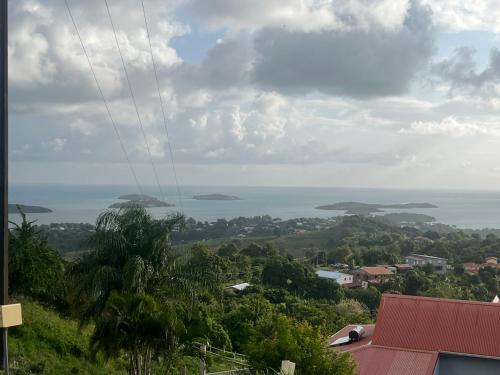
<point>162,105</point>
<point>103,98</point>
<point>135,103</point>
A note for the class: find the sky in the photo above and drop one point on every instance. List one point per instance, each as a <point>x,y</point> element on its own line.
<point>337,93</point>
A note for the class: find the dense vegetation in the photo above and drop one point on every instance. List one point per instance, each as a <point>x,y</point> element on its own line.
<point>145,306</point>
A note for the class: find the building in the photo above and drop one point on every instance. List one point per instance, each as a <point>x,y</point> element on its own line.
<point>439,264</point>
<point>238,287</point>
<point>371,275</point>
<point>474,268</point>
<point>403,267</point>
<point>339,277</point>
<point>426,336</point>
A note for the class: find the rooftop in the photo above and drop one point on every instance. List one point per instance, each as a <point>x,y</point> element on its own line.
<point>435,324</point>
<point>331,274</point>
<point>239,287</point>
<point>379,360</point>
<point>365,339</point>
<point>403,265</point>
<point>423,256</point>
<point>377,271</point>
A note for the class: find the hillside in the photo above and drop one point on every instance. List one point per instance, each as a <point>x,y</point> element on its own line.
<point>48,344</point>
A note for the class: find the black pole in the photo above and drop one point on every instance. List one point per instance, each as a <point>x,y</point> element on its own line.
<point>4,141</point>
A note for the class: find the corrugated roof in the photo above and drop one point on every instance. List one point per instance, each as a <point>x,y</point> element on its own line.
<point>239,287</point>
<point>377,271</point>
<point>331,274</point>
<point>423,256</point>
<point>435,324</point>
<point>403,265</point>
<point>378,360</point>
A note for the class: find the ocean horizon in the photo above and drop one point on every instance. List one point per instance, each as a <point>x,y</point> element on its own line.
<point>83,203</point>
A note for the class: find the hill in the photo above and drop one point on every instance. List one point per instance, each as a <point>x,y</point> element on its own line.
<point>49,344</point>
<point>14,209</point>
<point>141,200</point>
<point>358,208</point>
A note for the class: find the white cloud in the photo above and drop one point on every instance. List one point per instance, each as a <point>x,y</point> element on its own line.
<point>450,126</point>
<point>466,15</point>
<point>300,15</point>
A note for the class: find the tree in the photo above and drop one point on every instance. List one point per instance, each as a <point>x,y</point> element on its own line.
<point>136,325</point>
<point>284,338</point>
<point>35,269</point>
<point>133,272</point>
<point>340,254</point>
<point>228,250</point>
<point>415,282</point>
<point>131,252</point>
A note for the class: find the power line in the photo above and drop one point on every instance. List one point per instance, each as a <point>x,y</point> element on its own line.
<point>162,105</point>
<point>135,103</point>
<point>122,145</point>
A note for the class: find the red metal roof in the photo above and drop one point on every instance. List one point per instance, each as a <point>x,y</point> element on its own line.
<point>438,325</point>
<point>365,339</point>
<point>376,271</point>
<point>379,360</point>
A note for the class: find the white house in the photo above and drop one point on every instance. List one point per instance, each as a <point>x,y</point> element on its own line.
<point>339,277</point>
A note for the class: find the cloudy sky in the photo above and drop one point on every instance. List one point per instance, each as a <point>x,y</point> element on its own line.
<point>365,93</point>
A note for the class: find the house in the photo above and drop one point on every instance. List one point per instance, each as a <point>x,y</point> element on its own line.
<point>426,336</point>
<point>238,287</point>
<point>439,264</point>
<point>403,267</point>
<point>339,277</point>
<point>423,241</point>
<point>473,268</point>
<point>491,262</point>
<point>373,275</point>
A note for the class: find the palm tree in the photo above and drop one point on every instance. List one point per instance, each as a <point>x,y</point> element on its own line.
<point>135,324</point>
<point>132,266</point>
<point>132,252</point>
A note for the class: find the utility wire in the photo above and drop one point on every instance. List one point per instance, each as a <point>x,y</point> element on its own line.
<point>135,103</point>
<point>122,145</point>
<point>162,105</point>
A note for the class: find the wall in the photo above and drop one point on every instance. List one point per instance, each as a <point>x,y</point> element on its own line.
<point>449,364</point>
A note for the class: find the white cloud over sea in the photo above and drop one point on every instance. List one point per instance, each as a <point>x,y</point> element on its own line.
<point>394,93</point>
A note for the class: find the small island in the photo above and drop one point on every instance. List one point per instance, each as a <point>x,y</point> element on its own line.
<point>134,200</point>
<point>216,197</point>
<point>18,208</point>
<point>357,208</point>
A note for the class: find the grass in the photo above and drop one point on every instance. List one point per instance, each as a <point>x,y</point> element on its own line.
<point>49,344</point>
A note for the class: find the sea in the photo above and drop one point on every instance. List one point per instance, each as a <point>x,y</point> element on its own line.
<point>83,203</point>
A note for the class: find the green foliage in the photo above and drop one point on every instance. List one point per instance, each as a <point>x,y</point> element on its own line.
<point>140,292</point>
<point>299,278</point>
<point>35,269</point>
<point>284,338</point>
<point>49,344</point>
<point>147,302</point>
<point>67,237</point>
<point>139,327</point>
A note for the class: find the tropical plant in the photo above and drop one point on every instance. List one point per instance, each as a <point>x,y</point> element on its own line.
<point>131,252</point>
<point>285,338</point>
<point>35,269</point>
<point>133,281</point>
<point>137,325</point>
